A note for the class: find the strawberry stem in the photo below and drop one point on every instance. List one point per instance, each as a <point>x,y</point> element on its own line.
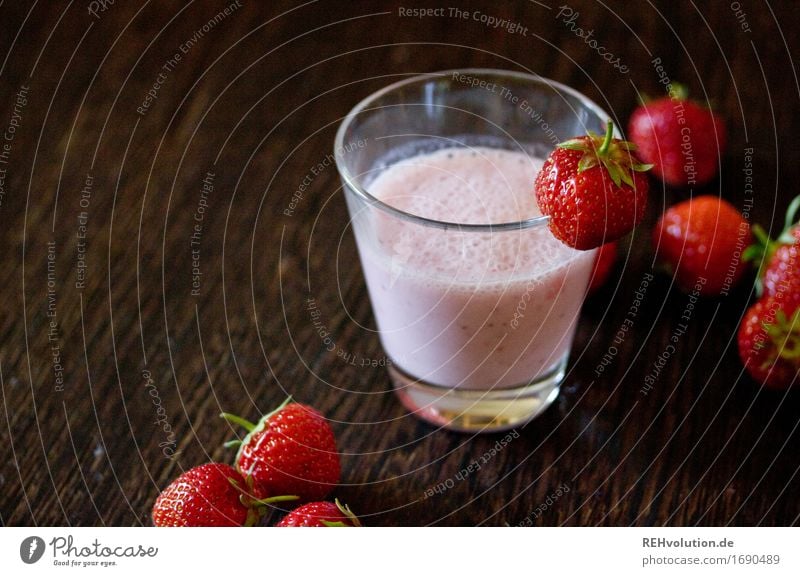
<point>678,91</point>
<point>273,499</point>
<point>615,156</point>
<point>249,426</point>
<point>791,213</point>
<point>271,414</point>
<point>603,150</point>
<point>253,516</point>
<point>345,509</point>
<point>255,506</point>
<point>234,419</point>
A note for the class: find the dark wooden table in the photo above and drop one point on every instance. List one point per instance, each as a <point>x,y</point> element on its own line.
<point>115,365</point>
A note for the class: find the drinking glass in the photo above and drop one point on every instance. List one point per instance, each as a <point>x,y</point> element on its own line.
<point>476,327</point>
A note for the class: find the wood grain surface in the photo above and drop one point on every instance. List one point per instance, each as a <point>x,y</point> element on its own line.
<point>115,366</point>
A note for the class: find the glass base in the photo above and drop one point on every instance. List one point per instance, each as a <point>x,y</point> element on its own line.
<point>477,410</point>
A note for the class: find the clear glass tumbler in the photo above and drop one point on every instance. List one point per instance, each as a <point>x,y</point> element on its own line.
<point>476,318</point>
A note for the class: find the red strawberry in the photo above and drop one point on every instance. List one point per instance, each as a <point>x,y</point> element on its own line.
<point>782,273</point>
<point>593,189</point>
<point>210,495</point>
<point>606,257</point>
<point>679,137</point>
<point>702,241</point>
<point>769,341</point>
<point>290,451</point>
<point>320,514</point>
<point>778,260</point>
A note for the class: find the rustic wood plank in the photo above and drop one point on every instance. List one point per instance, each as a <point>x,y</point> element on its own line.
<point>256,101</point>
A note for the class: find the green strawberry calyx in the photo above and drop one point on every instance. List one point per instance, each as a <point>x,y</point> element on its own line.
<point>616,156</point>
<point>676,92</point>
<point>252,429</point>
<point>344,509</point>
<point>680,93</point>
<point>256,507</point>
<point>763,248</point>
<point>784,335</point>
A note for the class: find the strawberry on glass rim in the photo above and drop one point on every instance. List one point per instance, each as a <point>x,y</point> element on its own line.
<point>593,188</point>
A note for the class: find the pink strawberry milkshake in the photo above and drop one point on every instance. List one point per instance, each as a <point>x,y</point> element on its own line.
<point>467,309</point>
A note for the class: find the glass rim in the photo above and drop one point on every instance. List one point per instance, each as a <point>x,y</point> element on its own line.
<point>350,181</point>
